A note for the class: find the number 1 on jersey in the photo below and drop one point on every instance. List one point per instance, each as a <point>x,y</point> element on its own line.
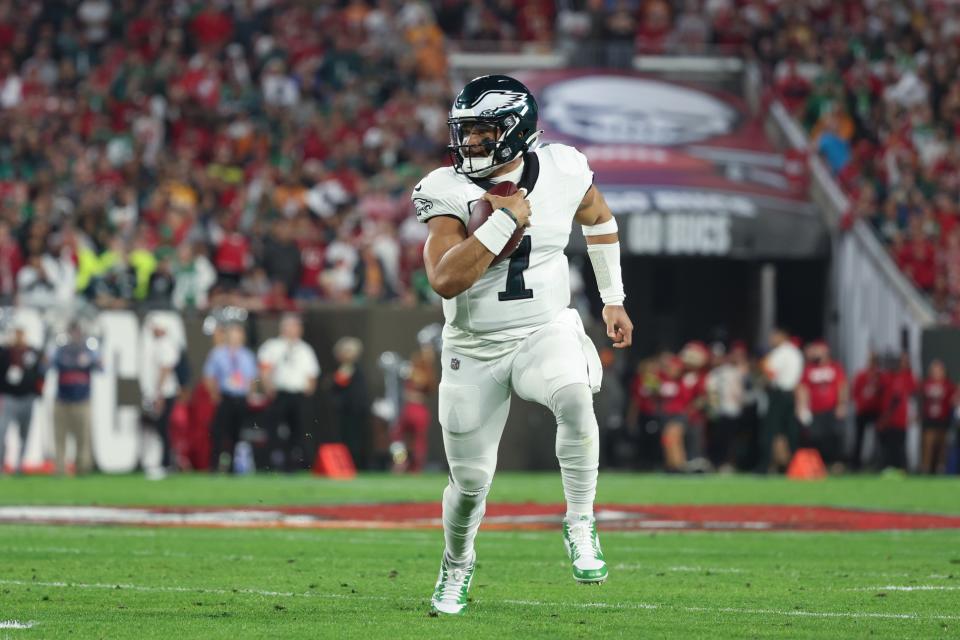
<point>519,261</point>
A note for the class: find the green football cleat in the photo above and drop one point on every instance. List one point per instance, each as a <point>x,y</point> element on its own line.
<point>450,594</point>
<point>583,546</point>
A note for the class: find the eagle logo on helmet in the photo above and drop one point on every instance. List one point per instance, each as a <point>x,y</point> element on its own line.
<point>499,102</point>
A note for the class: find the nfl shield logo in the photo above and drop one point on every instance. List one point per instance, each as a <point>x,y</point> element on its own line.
<point>454,364</point>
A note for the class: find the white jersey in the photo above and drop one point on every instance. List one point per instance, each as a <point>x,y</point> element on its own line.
<point>291,364</point>
<point>518,296</point>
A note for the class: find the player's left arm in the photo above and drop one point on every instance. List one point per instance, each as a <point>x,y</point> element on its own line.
<point>603,246</point>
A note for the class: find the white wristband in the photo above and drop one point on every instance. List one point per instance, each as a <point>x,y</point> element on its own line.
<point>496,232</point>
<point>605,259</point>
<point>602,229</point>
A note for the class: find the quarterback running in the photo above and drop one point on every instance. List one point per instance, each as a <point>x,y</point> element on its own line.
<point>509,328</point>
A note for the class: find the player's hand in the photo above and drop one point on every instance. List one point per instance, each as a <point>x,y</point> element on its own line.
<point>517,203</point>
<point>619,327</point>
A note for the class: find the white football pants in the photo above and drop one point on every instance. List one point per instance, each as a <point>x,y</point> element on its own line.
<point>556,367</point>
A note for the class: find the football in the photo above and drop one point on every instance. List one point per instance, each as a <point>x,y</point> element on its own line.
<point>481,210</point>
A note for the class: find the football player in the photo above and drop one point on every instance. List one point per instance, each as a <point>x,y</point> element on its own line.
<point>508,326</point>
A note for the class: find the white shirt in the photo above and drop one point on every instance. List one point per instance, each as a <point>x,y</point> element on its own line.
<point>784,366</point>
<point>725,389</point>
<point>289,364</point>
<point>156,355</point>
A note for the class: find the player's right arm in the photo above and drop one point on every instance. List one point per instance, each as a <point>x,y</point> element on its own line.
<point>454,262</point>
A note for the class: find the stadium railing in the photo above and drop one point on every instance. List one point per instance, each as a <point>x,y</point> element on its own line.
<point>876,306</point>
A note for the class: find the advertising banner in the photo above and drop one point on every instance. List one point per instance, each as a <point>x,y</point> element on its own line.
<point>688,171</point>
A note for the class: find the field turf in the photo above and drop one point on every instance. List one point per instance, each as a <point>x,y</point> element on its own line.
<point>137,582</point>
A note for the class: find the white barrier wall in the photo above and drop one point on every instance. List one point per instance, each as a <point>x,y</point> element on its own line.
<point>118,442</point>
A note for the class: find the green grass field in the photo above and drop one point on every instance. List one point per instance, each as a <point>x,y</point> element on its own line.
<point>135,582</point>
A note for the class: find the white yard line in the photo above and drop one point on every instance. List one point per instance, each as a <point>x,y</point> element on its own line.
<point>822,614</point>
<point>135,552</point>
<point>911,587</point>
<point>159,589</point>
<point>653,568</point>
<point>856,615</point>
<point>16,624</point>
<point>705,569</point>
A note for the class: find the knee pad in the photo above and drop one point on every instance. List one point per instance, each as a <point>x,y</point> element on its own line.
<point>573,408</point>
<point>470,483</point>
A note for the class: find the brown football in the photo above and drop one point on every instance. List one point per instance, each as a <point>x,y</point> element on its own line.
<point>481,210</point>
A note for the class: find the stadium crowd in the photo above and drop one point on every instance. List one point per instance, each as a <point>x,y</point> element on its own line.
<point>872,81</point>
<point>718,408</point>
<point>881,103</point>
<point>259,153</point>
<point>194,154</point>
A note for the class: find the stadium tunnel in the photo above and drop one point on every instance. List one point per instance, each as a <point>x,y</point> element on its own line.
<point>708,272</point>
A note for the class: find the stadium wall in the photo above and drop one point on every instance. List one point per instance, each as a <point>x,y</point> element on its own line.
<point>120,444</point>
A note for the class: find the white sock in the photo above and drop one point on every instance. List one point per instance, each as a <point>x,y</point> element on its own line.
<point>462,513</point>
<point>578,448</point>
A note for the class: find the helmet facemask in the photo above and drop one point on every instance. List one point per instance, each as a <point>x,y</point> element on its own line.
<point>488,151</point>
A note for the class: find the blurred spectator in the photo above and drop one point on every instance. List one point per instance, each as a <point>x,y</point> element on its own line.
<point>160,286</point>
<point>21,380</point>
<point>611,406</point>
<point>74,362</point>
<point>642,408</point>
<point>748,425</point>
<point>350,400</point>
<point>832,145</point>
<point>821,399</point>
<point>413,424</point>
<point>938,399</point>
<point>898,389</point>
<point>726,398</point>
<point>691,31</point>
<point>193,278</point>
<point>695,357</point>
<point>289,371</point>
<point>159,385</point>
<point>673,405</point>
<point>620,30</point>
<point>45,282</point>
<point>281,256</point>
<point>11,261</point>
<point>229,374</point>
<point>783,367</point>
<point>867,402</point>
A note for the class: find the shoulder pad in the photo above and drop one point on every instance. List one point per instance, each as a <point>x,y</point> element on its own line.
<point>567,159</point>
<point>443,192</point>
